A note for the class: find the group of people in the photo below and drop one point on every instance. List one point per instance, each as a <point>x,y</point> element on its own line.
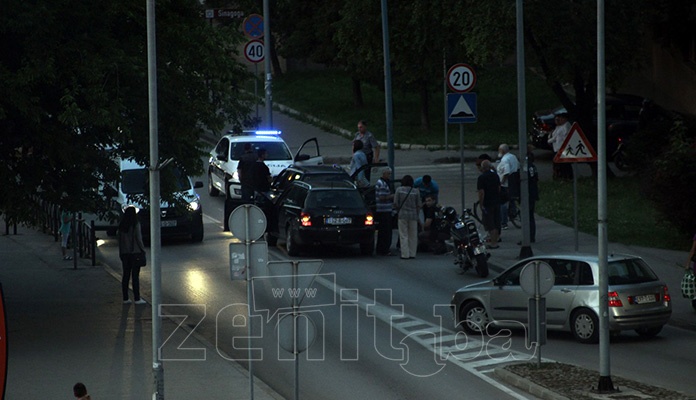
<point>498,186</point>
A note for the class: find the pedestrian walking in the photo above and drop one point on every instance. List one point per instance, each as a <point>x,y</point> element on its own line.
<point>64,230</point>
<point>691,261</point>
<point>80,391</point>
<point>488,186</point>
<point>556,139</point>
<point>130,243</point>
<point>357,161</point>
<point>408,203</point>
<point>383,213</point>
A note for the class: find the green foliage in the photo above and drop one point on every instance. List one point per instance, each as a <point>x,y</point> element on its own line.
<point>632,217</point>
<point>497,105</point>
<point>75,79</point>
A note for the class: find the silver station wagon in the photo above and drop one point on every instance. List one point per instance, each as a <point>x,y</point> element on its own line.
<point>638,299</point>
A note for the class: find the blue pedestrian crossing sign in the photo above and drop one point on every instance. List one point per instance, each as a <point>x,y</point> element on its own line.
<point>461,108</point>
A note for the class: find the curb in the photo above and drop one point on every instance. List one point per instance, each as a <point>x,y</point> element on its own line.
<point>527,385</point>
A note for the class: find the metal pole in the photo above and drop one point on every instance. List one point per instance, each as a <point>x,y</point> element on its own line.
<point>461,164</point>
<point>295,306</point>
<point>387,87</point>
<point>605,383</point>
<point>256,91</point>
<point>537,302</point>
<point>444,93</point>
<point>155,239</point>
<point>526,249</point>
<point>267,64</point>
<point>575,206</point>
<point>247,268</point>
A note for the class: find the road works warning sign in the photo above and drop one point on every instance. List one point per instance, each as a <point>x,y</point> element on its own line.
<point>575,148</point>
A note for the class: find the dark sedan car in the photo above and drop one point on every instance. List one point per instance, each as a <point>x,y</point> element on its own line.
<point>322,213</point>
<point>622,113</point>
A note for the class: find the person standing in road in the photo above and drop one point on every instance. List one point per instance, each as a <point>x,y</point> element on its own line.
<point>64,230</point>
<point>80,391</point>
<point>244,166</point>
<point>427,186</point>
<point>488,186</point>
<point>691,261</point>
<point>383,213</point>
<point>260,174</point>
<point>130,243</point>
<point>370,145</point>
<point>358,161</point>
<point>408,203</point>
<point>556,139</point>
<point>509,174</point>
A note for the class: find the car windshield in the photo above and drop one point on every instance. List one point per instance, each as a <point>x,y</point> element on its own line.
<point>274,150</point>
<point>334,199</point>
<point>630,271</point>
<point>135,181</point>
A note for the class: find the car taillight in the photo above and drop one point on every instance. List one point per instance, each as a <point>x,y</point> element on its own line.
<point>665,295</point>
<point>546,127</point>
<point>369,220</point>
<point>614,300</point>
<point>305,219</point>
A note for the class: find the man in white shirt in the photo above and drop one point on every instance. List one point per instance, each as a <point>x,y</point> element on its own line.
<point>556,139</point>
<point>508,169</point>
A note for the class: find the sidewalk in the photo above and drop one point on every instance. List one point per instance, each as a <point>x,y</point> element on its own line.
<point>67,325</point>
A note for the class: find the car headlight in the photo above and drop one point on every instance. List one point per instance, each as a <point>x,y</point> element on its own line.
<point>235,176</point>
<point>194,205</point>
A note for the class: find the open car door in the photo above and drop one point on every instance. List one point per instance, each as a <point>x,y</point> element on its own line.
<point>311,157</point>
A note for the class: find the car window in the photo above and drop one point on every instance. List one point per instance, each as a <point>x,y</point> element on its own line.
<point>563,270</point>
<point>285,178</point>
<point>334,199</point>
<point>222,148</point>
<point>274,150</point>
<point>630,271</point>
<point>134,181</point>
<point>295,197</point>
<point>585,277</point>
<point>511,277</point>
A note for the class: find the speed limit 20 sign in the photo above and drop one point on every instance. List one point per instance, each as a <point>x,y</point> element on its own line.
<point>461,78</point>
<point>253,51</point>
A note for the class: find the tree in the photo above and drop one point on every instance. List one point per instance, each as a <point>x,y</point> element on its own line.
<point>562,39</point>
<point>75,83</point>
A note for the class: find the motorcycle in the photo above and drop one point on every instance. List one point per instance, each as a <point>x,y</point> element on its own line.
<point>465,242</point>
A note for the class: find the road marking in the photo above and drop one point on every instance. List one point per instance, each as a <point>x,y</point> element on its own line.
<point>435,342</point>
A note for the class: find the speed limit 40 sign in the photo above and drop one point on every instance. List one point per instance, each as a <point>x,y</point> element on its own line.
<point>461,78</point>
<point>253,51</point>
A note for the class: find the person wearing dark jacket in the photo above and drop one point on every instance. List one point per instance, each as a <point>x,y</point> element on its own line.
<point>130,243</point>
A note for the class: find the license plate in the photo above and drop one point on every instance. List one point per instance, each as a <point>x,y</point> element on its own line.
<point>645,298</point>
<point>338,221</point>
<point>168,224</point>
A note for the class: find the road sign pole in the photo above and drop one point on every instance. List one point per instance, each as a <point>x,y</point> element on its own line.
<point>268,86</point>
<point>461,164</point>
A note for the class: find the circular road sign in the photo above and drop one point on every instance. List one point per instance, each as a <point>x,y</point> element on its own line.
<point>253,51</point>
<point>296,333</point>
<point>247,222</point>
<point>461,78</point>
<point>253,26</point>
<point>529,277</point>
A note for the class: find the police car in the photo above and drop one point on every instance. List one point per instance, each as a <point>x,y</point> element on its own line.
<point>222,170</point>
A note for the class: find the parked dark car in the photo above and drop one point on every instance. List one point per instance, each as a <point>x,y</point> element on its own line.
<point>622,114</point>
<point>322,213</point>
<point>308,173</point>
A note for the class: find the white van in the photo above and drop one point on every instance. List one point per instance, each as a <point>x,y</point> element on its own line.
<point>133,190</point>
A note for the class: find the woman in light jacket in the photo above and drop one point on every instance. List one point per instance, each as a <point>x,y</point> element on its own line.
<point>130,243</point>
<point>408,203</point>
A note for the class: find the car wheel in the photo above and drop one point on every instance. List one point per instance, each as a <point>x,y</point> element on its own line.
<point>197,233</point>
<point>366,249</point>
<point>290,245</point>
<point>271,240</point>
<point>649,332</point>
<point>693,304</point>
<point>473,317</point>
<point>212,191</point>
<point>585,326</point>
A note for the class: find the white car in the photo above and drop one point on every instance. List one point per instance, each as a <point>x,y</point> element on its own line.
<point>222,170</point>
